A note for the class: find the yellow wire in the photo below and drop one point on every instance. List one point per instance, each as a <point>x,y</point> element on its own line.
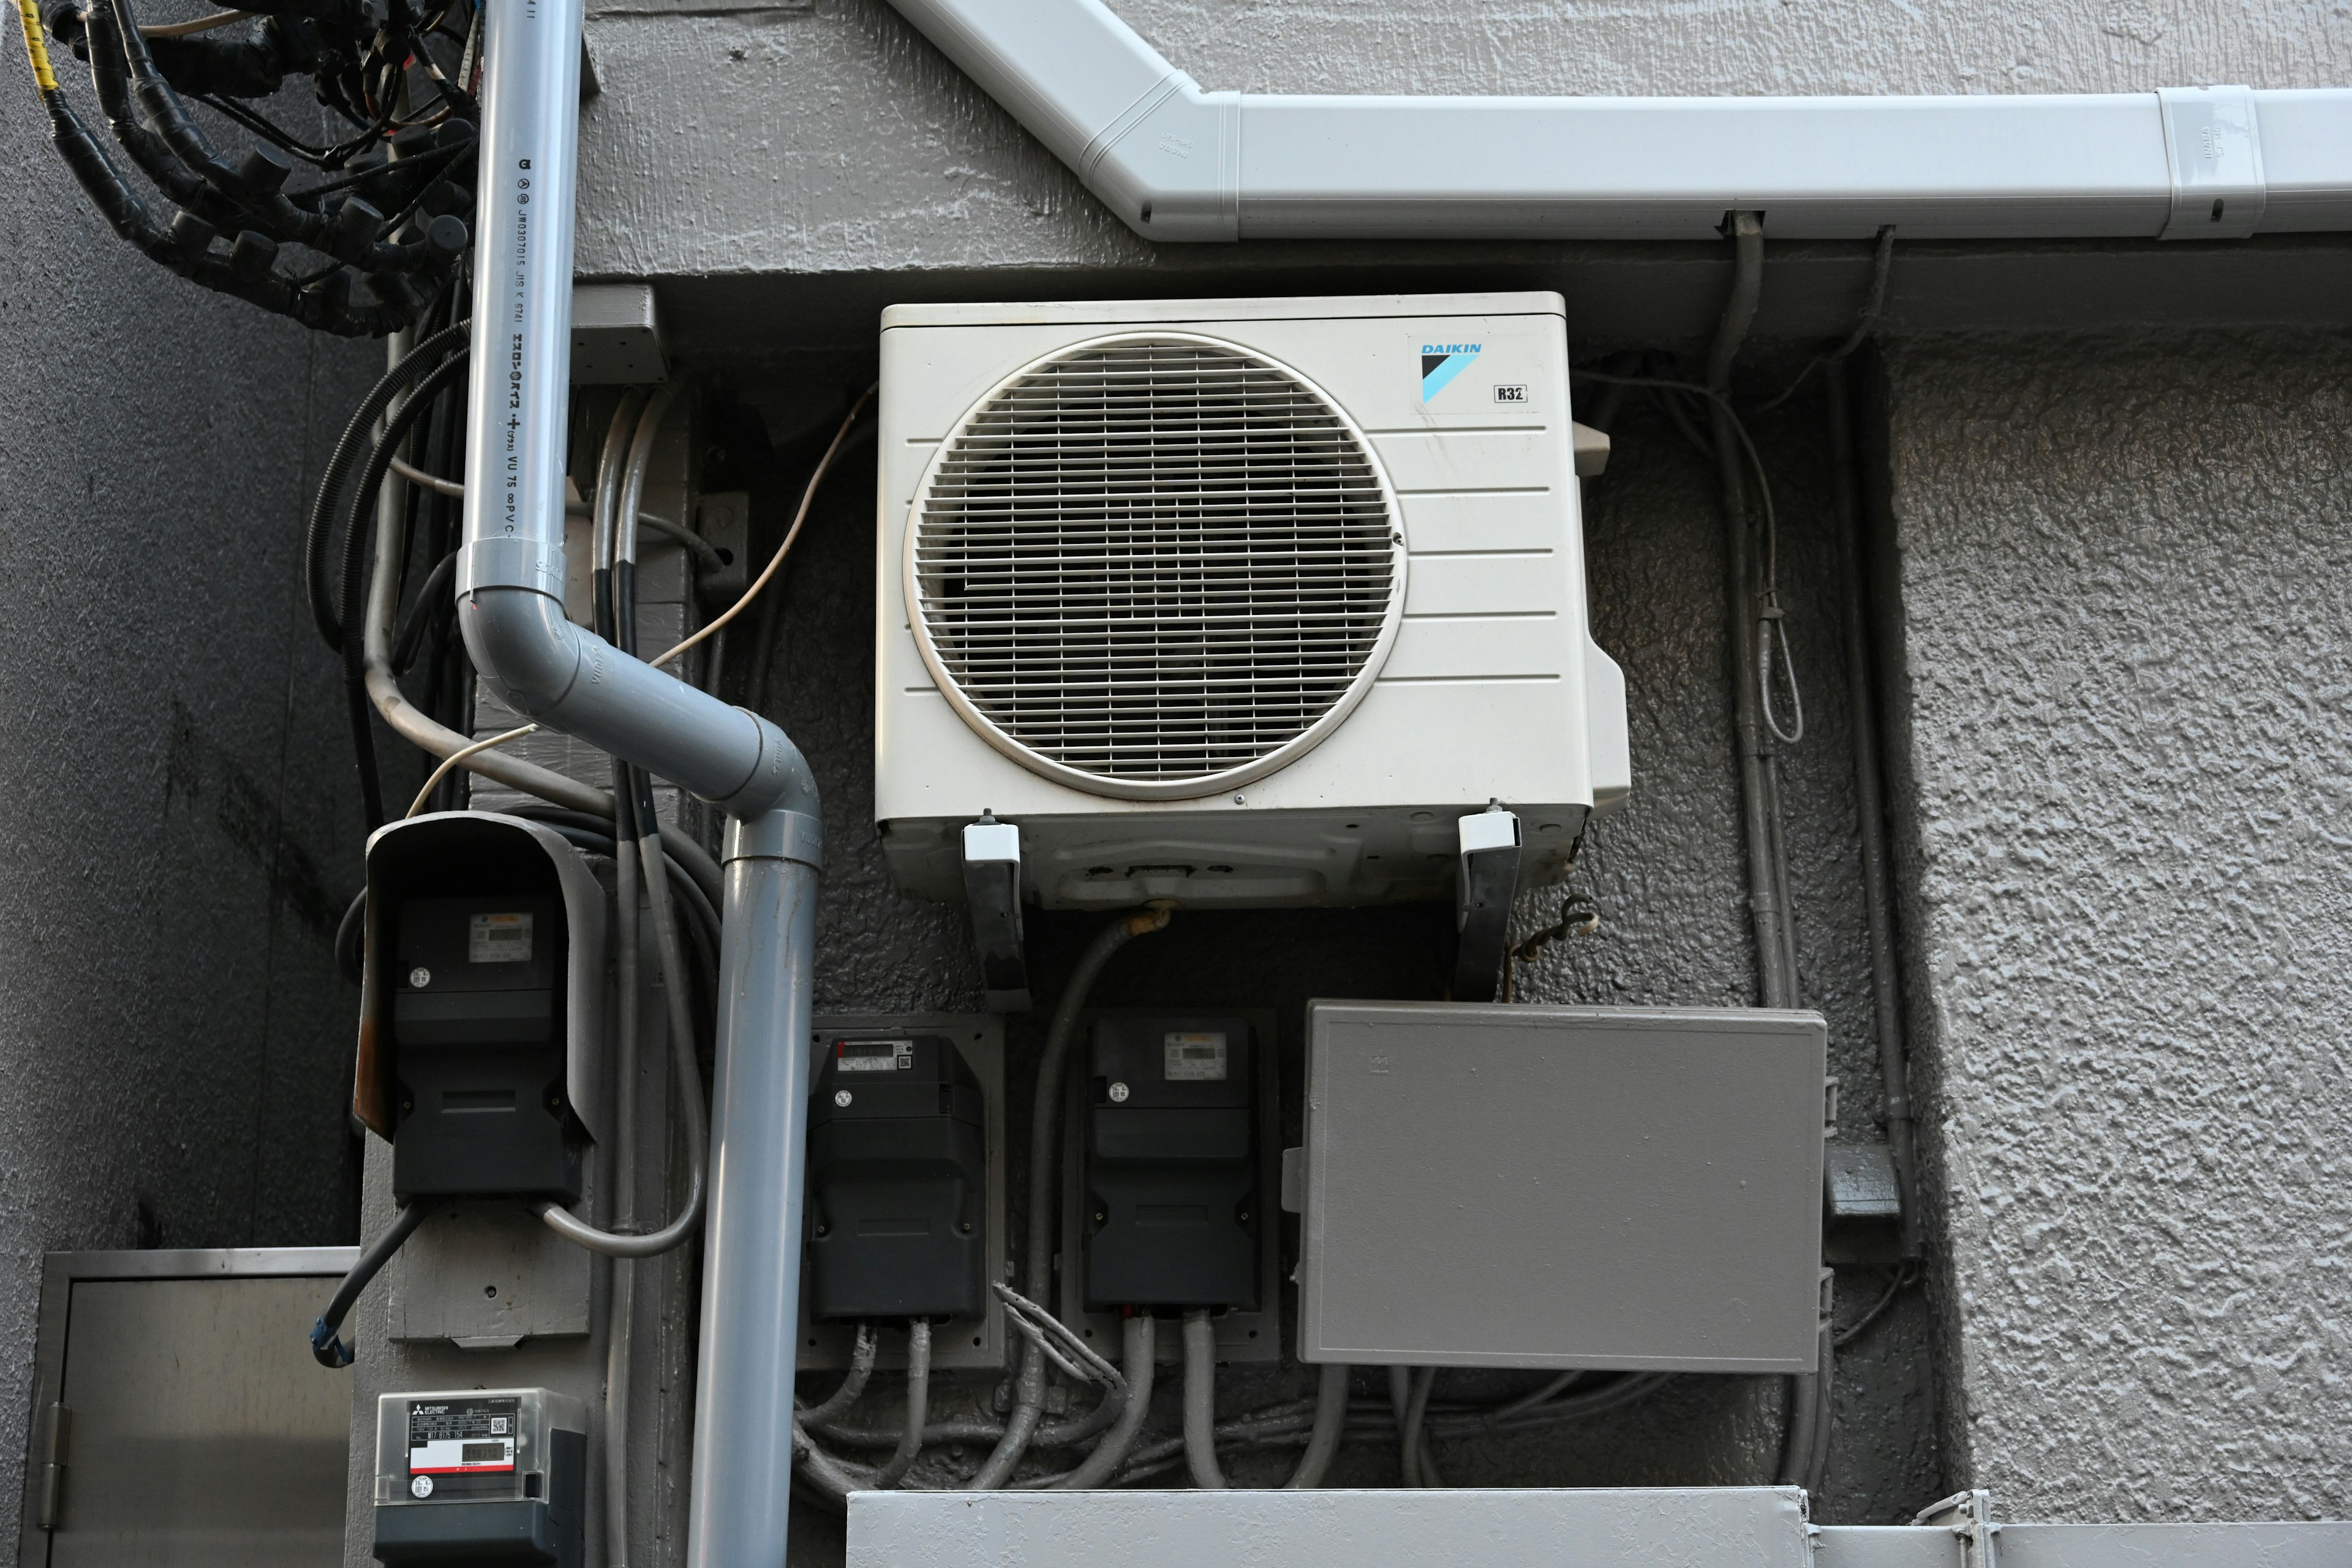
<point>33,47</point>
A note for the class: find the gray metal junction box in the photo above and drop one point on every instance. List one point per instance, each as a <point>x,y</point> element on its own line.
<point>1530,1186</point>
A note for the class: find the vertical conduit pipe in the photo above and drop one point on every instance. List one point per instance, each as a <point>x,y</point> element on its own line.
<point>511,583</point>
<point>1870,809</point>
<point>1759,795</point>
<point>1759,799</point>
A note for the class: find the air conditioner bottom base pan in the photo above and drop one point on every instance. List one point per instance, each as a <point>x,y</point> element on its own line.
<point>1231,859</point>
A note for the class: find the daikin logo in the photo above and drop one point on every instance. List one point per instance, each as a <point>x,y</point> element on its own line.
<point>1440,362</point>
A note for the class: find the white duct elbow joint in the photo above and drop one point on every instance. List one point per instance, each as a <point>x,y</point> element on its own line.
<point>1171,167</point>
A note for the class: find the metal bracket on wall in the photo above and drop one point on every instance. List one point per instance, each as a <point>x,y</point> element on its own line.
<point>1969,1516</point>
<point>1482,900</point>
<point>992,886</point>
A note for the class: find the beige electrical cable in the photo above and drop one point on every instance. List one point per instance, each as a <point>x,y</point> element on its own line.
<point>705,556</point>
<point>458,758</point>
<point>200,24</point>
<point>808,498</point>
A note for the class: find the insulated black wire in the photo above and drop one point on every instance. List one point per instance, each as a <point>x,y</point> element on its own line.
<point>325,1346</point>
<point>432,599</point>
<point>356,536</point>
<point>354,441</point>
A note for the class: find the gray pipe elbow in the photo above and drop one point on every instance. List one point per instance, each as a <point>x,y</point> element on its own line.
<point>556,672</point>
<point>522,645</point>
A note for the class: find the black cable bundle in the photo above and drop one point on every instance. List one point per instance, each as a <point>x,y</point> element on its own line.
<point>388,223</point>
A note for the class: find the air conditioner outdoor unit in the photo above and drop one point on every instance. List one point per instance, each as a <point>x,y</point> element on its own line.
<point>1235,602</point>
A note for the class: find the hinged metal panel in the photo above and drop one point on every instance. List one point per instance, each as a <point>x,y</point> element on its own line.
<point>1611,1188</point>
<point>178,1415</point>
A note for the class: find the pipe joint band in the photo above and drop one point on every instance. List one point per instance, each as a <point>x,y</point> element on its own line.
<point>512,563</point>
<point>776,836</point>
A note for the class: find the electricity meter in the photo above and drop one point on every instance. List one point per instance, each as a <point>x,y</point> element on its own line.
<point>481,1006</point>
<point>1172,1206</point>
<point>481,1476</point>
<point>898,1174</point>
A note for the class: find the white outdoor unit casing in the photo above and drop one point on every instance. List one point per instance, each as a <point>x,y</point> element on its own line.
<point>1234,602</point>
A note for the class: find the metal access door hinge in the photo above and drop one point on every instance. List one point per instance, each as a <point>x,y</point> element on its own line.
<point>50,1454</point>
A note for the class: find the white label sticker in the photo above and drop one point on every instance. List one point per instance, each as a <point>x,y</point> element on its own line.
<point>498,939</point>
<point>459,1457</point>
<point>876,1055</point>
<point>1194,1058</point>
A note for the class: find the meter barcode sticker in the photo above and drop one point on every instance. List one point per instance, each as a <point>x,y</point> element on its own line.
<point>498,939</point>
<point>1194,1058</point>
<point>462,1437</point>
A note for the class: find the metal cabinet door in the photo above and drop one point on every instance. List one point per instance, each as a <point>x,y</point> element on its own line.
<point>202,1433</point>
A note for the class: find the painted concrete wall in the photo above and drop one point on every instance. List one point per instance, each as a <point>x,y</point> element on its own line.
<point>182,828</point>
<point>827,136</point>
<point>2126,650</point>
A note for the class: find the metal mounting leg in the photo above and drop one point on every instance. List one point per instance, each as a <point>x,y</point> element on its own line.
<point>992,886</point>
<point>1482,901</point>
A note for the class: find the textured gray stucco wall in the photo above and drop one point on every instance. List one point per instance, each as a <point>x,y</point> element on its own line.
<point>2126,654</point>
<point>827,136</point>
<point>182,832</point>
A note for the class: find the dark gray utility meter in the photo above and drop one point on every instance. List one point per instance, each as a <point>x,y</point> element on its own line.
<point>1172,1205</point>
<point>480,1006</point>
<point>481,1476</point>
<point>897,1175</point>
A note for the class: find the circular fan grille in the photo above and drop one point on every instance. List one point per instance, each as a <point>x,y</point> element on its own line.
<point>1155,566</point>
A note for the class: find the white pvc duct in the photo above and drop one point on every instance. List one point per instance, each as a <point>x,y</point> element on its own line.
<point>1178,164</point>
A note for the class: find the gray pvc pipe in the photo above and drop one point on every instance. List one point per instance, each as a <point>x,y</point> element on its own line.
<point>1330,1427</point>
<point>918,1407</point>
<point>1870,808</point>
<point>511,583</point>
<point>1759,800</point>
<point>1200,1400</point>
<point>1139,1350</point>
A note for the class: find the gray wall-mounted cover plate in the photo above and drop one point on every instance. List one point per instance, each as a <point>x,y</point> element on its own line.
<point>1714,1527</point>
<point>1527,1187</point>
